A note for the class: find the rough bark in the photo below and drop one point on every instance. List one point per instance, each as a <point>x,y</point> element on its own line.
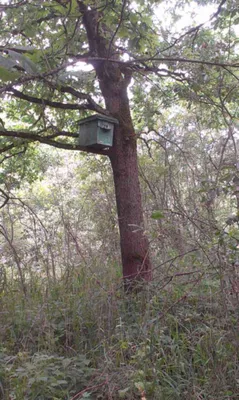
<point>134,244</point>
<point>114,80</point>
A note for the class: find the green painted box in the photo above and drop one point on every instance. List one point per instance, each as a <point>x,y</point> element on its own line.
<point>97,131</point>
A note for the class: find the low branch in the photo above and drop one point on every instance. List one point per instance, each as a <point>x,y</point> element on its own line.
<point>89,105</point>
<point>49,141</point>
<point>49,103</point>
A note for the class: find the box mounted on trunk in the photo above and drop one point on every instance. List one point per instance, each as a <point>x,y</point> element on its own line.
<point>97,131</point>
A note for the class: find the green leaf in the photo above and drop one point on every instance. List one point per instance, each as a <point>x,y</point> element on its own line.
<point>139,386</point>
<point>6,75</point>
<point>123,392</point>
<point>23,61</point>
<point>6,63</point>
<point>66,362</point>
<point>123,33</point>
<point>157,215</point>
<point>62,382</point>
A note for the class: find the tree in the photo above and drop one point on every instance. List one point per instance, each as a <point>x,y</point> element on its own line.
<point>42,44</point>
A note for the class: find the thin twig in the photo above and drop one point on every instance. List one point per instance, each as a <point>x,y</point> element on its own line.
<point>6,198</point>
<point>118,26</point>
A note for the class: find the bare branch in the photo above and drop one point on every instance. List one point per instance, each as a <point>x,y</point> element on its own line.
<point>130,63</point>
<point>183,60</point>
<point>195,29</point>
<point>12,155</point>
<point>7,148</point>
<point>46,102</point>
<point>6,6</point>
<point>120,22</point>
<point>175,258</point>
<point>4,194</point>
<point>89,105</point>
<point>92,105</point>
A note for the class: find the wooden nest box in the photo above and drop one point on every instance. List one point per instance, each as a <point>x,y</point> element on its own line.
<point>97,131</point>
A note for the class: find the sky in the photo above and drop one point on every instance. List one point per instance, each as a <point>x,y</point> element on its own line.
<point>201,14</point>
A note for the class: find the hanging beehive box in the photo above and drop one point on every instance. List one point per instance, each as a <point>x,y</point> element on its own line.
<point>97,131</point>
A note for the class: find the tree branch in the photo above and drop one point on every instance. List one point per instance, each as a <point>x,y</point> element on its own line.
<point>89,105</point>
<point>12,155</point>
<point>7,148</point>
<point>183,60</point>
<point>4,194</point>
<point>195,29</point>
<point>129,64</point>
<point>7,6</point>
<point>118,26</point>
<point>35,137</point>
<point>46,102</point>
<point>94,106</point>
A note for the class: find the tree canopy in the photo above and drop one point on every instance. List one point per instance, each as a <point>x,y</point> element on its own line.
<point>71,327</point>
<point>44,45</point>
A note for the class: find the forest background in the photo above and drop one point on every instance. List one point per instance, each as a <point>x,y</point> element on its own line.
<point>70,327</point>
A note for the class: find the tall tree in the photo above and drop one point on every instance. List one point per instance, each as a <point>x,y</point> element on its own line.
<point>42,45</point>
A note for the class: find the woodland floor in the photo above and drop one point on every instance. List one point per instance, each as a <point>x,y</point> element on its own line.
<point>79,338</point>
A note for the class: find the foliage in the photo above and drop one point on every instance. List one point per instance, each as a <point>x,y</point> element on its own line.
<point>67,328</point>
<point>134,344</point>
<point>44,376</point>
<point>44,42</point>
<point>178,337</point>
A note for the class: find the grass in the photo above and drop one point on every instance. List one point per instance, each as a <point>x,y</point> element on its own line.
<point>85,339</point>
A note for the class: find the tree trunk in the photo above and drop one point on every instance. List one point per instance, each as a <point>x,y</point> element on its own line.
<point>114,79</point>
<point>134,244</point>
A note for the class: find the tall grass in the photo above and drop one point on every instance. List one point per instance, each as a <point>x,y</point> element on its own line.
<point>84,338</point>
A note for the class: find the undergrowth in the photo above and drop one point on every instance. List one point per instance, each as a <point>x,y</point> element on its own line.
<point>83,340</point>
